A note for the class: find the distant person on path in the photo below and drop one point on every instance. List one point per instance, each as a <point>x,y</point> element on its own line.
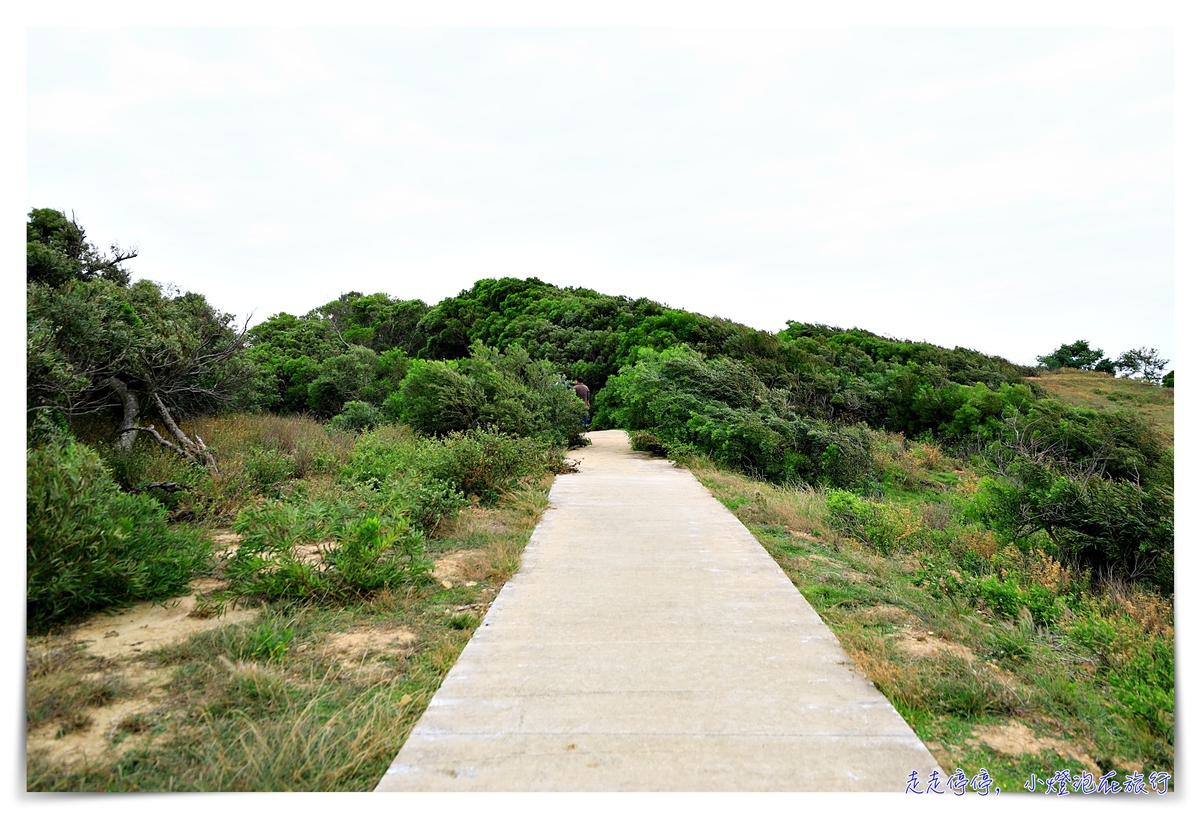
<point>585,395</point>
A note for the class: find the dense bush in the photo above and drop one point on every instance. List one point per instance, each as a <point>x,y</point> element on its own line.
<point>1100,486</point>
<point>722,409</point>
<point>487,463</point>
<point>510,393</point>
<point>90,546</point>
<point>474,462</point>
<point>356,416</point>
<point>887,527</point>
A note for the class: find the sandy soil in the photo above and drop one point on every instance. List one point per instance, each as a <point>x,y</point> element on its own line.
<point>360,650</point>
<point>121,638</point>
<point>1016,739</point>
<point>151,625</point>
<point>924,643</point>
<point>455,568</point>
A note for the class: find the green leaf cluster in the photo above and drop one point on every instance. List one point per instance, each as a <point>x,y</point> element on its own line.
<point>90,546</point>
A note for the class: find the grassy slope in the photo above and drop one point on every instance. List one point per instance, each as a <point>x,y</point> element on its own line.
<point>961,676</point>
<point>1096,390</point>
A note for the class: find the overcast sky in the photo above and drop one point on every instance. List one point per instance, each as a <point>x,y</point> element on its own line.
<point>1006,190</point>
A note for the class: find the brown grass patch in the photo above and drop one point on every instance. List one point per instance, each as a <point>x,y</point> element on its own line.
<point>1096,390</point>
<point>885,614</point>
<point>983,544</point>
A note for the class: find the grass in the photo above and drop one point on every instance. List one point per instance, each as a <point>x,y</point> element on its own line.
<point>967,679</point>
<point>306,697</point>
<point>1096,390</point>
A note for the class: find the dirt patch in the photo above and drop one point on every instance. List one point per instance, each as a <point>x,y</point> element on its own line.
<point>314,553</point>
<point>1016,739</point>
<point>885,613</point>
<point>226,540</point>
<point>110,732</point>
<point>924,643</point>
<point>355,647</point>
<point>148,626</point>
<point>460,568</point>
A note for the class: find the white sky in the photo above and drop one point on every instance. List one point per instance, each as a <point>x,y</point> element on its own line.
<point>1002,189</point>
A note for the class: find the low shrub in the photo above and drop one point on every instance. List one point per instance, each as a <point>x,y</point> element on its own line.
<point>887,527</point>
<point>321,551</point>
<point>1007,598</point>
<point>486,463</point>
<point>266,467</point>
<point>424,501</point>
<point>89,546</point>
<point>356,416</point>
<point>381,455</point>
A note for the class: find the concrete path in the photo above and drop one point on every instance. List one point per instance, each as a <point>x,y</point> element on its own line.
<point>650,643</point>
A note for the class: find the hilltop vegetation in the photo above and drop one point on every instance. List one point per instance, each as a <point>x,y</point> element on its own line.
<point>1013,508</point>
<point>1095,390</point>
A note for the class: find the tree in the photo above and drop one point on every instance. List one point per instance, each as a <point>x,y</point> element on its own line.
<point>1100,486</point>
<point>1078,355</point>
<point>57,251</point>
<point>97,345</point>
<point>1142,362</point>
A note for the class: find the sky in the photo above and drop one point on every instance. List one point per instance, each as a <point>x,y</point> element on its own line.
<point>1002,189</point>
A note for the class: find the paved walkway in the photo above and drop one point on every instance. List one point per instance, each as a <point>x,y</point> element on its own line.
<point>650,643</point>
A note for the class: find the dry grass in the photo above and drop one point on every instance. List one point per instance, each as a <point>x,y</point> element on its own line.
<point>313,447</point>
<point>799,509</point>
<point>904,462</point>
<point>1096,390</point>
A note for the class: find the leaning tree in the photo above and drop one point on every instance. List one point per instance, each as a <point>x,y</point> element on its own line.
<point>97,344</point>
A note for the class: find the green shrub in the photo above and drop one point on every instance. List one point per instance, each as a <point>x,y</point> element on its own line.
<point>351,555</point>
<point>722,409</point>
<point>266,467</point>
<point>425,501</point>
<point>644,441</point>
<point>381,455</point>
<point>1144,684</point>
<point>486,463</point>
<point>1007,598</point>
<point>356,416</point>
<point>887,527</point>
<point>89,546</point>
<point>509,393</point>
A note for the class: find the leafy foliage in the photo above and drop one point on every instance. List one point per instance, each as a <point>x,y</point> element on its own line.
<point>508,392</point>
<point>57,251</point>
<point>87,341</point>
<point>1078,355</point>
<point>1100,486</point>
<point>90,546</point>
<point>351,555</point>
<point>1144,363</point>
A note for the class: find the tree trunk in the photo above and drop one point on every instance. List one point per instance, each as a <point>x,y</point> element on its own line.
<point>129,419</point>
<point>194,448</point>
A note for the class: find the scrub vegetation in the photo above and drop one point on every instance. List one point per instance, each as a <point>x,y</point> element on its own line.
<point>338,496</point>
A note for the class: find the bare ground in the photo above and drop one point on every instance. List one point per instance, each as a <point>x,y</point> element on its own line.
<point>105,651</point>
